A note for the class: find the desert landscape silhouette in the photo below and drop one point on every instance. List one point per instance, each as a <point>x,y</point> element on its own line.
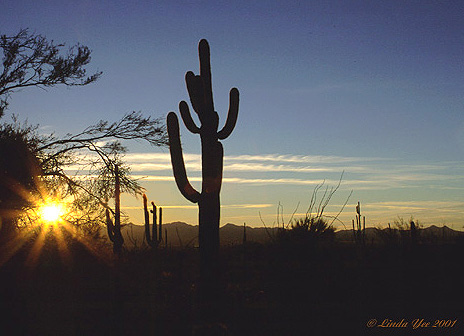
<point>90,245</point>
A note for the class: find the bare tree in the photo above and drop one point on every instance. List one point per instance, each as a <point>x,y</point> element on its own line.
<point>29,60</point>
<point>79,166</point>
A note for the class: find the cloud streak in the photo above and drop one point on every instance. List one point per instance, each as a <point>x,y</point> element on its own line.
<point>361,173</point>
<point>224,206</point>
<point>374,184</point>
<point>298,164</point>
<point>437,206</point>
<point>284,158</point>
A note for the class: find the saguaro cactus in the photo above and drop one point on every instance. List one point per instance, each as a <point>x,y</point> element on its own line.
<point>114,231</point>
<point>201,96</point>
<point>414,232</point>
<point>359,231</point>
<point>155,237</point>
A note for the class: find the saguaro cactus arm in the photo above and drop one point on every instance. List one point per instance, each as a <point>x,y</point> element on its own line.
<point>231,115</point>
<point>109,226</point>
<point>200,91</point>
<point>114,230</point>
<point>187,118</point>
<point>205,73</point>
<point>177,160</point>
<point>155,224</point>
<point>145,209</point>
<point>114,233</point>
<point>147,219</point>
<point>196,91</point>
<point>160,225</point>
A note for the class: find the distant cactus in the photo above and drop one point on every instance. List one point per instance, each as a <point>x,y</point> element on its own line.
<point>201,97</point>
<point>409,231</point>
<point>359,231</point>
<point>155,237</point>
<point>413,229</point>
<point>114,231</point>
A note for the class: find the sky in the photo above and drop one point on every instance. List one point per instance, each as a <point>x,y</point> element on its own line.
<point>366,92</point>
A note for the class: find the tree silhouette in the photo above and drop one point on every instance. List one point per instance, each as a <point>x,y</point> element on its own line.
<point>30,161</point>
<point>29,59</point>
<point>19,170</point>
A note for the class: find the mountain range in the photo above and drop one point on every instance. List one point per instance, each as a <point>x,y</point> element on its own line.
<point>180,234</point>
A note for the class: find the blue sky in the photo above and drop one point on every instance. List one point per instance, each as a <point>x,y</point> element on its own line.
<point>371,88</point>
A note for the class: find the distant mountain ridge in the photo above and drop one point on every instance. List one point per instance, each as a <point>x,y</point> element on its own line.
<point>428,233</point>
<point>181,234</point>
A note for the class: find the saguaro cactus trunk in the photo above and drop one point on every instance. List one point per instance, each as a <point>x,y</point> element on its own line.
<point>201,97</point>
<point>114,231</point>
<point>360,231</point>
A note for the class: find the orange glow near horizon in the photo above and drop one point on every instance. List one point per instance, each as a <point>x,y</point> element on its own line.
<point>47,221</point>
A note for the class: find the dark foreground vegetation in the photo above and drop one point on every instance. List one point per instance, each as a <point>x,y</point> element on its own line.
<point>286,287</point>
<point>302,282</point>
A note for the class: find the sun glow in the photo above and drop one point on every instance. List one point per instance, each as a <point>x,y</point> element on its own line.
<point>51,212</point>
<point>49,220</point>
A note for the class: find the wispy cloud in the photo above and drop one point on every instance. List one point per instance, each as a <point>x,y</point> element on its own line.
<point>294,164</point>
<point>234,167</point>
<point>225,206</point>
<point>438,206</point>
<point>308,159</point>
<point>284,158</point>
<point>138,167</point>
<point>358,184</point>
<point>260,167</point>
<point>361,173</point>
<point>237,180</point>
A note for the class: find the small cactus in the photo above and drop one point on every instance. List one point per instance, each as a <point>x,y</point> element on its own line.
<point>413,232</point>
<point>155,237</point>
<point>114,231</point>
<point>359,231</point>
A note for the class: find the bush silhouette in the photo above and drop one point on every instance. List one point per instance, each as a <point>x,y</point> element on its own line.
<point>19,169</point>
<point>306,231</point>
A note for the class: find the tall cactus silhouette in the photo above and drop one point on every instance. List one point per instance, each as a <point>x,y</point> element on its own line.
<point>114,231</point>
<point>414,232</point>
<point>359,231</point>
<point>201,97</point>
<point>155,237</point>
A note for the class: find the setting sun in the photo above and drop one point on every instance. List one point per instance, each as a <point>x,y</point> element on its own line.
<point>51,213</point>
